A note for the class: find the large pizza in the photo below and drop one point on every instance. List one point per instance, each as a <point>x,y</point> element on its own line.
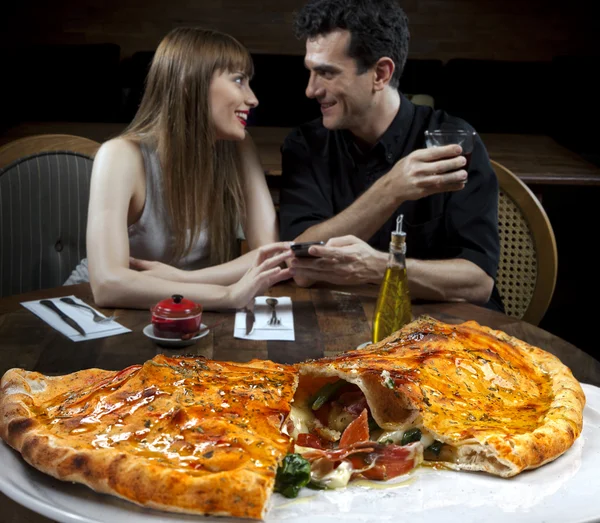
<point>206,437</point>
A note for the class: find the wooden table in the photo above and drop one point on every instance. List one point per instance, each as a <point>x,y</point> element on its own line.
<point>327,321</point>
<point>537,160</point>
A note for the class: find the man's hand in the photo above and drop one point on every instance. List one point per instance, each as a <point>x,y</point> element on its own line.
<point>346,260</point>
<point>428,171</point>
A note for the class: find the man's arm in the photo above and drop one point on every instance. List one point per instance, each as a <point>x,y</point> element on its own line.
<point>307,211</point>
<point>471,234</point>
<point>351,261</point>
<point>363,218</point>
<point>413,177</point>
<point>347,259</point>
<point>304,201</point>
<point>448,280</point>
<point>471,250</point>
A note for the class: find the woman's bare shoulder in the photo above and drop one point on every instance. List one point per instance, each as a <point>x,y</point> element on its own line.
<point>120,146</point>
<point>120,156</point>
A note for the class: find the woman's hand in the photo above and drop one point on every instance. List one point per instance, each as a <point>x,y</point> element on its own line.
<point>157,269</point>
<point>264,273</point>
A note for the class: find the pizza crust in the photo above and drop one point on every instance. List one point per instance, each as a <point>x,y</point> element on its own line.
<point>241,490</point>
<point>503,405</point>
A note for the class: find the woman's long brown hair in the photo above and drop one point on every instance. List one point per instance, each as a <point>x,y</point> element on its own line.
<point>201,176</point>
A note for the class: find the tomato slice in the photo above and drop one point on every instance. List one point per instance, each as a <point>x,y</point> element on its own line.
<point>309,440</point>
<point>357,431</point>
<point>390,461</point>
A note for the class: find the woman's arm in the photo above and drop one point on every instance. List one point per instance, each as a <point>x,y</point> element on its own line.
<point>117,186</point>
<point>222,274</point>
<point>260,223</point>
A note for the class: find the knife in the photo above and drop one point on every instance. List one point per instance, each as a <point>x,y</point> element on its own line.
<point>249,318</point>
<point>69,321</point>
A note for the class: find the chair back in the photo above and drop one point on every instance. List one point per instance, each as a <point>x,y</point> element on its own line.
<point>43,210</point>
<point>22,147</point>
<point>528,255</point>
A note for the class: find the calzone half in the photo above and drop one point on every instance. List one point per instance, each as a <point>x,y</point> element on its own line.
<point>465,397</point>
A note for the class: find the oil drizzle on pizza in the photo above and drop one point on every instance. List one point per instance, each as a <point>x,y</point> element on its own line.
<point>187,413</point>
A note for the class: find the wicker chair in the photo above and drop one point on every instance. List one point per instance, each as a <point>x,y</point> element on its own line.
<point>528,258</point>
<point>44,192</point>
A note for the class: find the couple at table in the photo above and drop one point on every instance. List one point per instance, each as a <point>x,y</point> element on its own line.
<point>170,194</point>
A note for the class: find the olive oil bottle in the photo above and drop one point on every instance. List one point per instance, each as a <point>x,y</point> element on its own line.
<point>393,309</point>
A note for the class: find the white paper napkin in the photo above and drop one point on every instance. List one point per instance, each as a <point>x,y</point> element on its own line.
<point>84,318</point>
<point>262,314</point>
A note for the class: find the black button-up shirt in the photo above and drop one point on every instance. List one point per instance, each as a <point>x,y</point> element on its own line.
<point>324,172</point>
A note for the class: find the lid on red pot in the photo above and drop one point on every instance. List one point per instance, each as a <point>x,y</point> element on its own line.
<point>176,307</point>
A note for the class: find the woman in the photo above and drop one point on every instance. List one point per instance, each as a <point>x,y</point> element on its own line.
<point>173,189</point>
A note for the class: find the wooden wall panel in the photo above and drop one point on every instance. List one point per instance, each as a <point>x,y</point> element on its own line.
<point>443,29</point>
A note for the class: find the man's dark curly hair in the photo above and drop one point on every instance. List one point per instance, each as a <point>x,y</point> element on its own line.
<point>377,27</point>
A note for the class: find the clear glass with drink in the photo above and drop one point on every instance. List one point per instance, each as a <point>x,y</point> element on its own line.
<point>462,137</point>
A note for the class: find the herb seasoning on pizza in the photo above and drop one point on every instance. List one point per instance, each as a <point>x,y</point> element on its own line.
<point>465,397</point>
<point>177,434</point>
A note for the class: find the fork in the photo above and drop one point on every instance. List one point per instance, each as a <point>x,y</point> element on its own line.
<point>272,302</point>
<point>97,317</point>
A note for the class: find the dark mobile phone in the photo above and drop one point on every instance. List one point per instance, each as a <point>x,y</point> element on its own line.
<point>300,249</point>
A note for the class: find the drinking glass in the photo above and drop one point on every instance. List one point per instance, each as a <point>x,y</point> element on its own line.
<point>462,137</point>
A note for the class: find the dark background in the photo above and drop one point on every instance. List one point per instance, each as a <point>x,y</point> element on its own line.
<point>441,29</point>
<point>512,66</point>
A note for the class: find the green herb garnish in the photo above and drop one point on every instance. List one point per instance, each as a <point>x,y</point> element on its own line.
<point>325,392</point>
<point>435,447</point>
<point>292,475</point>
<point>410,435</point>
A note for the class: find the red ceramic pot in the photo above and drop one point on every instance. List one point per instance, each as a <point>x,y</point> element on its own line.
<point>176,318</point>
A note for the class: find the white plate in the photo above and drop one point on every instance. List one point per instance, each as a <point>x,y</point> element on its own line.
<point>565,490</point>
<point>170,342</point>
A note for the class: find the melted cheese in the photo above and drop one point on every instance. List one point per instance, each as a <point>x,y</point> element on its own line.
<point>395,436</point>
<point>336,478</point>
<point>338,418</point>
<point>302,420</point>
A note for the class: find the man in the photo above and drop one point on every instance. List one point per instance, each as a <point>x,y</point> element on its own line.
<point>347,176</point>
